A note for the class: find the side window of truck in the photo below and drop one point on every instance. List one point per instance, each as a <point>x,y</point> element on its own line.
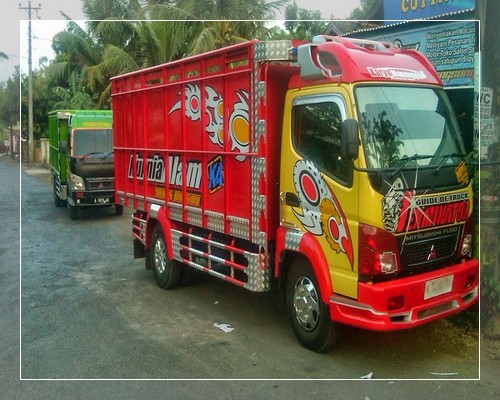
<point>316,125</point>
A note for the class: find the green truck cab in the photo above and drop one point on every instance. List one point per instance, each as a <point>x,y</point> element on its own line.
<point>81,159</point>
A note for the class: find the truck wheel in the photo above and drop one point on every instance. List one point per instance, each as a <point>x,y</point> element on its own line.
<point>165,270</point>
<point>309,316</point>
<point>73,212</point>
<point>57,200</point>
<point>118,209</point>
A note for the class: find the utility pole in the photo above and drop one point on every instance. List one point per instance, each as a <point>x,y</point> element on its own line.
<point>31,141</point>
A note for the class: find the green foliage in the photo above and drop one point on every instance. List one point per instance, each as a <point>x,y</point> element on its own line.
<point>489,236</point>
<point>74,97</point>
<point>124,35</point>
<point>361,12</point>
<point>490,297</point>
<point>9,100</point>
<point>382,139</point>
<point>303,24</point>
<point>43,99</point>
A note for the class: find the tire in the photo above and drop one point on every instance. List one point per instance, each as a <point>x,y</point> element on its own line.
<point>57,200</point>
<point>309,316</point>
<point>165,270</point>
<point>73,211</point>
<point>118,209</point>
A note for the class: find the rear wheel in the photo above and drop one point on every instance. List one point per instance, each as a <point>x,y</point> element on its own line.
<point>57,200</point>
<point>165,270</point>
<point>309,316</point>
<point>118,209</point>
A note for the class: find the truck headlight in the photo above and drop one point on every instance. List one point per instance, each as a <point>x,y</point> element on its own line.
<point>76,182</point>
<point>466,245</point>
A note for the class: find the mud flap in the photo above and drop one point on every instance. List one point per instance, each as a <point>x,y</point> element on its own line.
<point>139,250</point>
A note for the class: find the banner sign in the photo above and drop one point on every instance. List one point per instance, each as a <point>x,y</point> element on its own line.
<point>402,10</point>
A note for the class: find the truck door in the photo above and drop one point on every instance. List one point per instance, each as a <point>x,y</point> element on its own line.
<point>318,185</point>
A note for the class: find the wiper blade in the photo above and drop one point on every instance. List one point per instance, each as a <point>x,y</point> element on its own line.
<point>403,162</point>
<point>446,157</point>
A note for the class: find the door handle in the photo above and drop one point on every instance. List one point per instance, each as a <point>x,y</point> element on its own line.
<point>291,199</point>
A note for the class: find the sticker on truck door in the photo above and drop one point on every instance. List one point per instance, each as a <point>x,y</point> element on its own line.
<point>320,212</point>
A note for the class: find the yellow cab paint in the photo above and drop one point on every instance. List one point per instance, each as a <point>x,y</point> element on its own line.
<point>341,257</point>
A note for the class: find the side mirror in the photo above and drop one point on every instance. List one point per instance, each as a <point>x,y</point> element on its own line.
<point>349,139</point>
<point>63,146</point>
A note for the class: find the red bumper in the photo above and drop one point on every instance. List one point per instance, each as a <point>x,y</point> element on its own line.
<point>409,302</point>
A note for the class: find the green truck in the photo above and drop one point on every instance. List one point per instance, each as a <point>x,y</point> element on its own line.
<point>81,159</point>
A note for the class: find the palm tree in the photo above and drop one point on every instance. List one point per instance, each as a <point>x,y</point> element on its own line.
<point>76,49</point>
<point>124,35</point>
<point>211,24</point>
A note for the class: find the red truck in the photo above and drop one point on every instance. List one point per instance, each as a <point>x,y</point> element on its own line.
<point>334,168</point>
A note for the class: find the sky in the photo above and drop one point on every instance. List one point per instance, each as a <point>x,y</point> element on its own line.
<point>47,21</point>
<point>14,40</point>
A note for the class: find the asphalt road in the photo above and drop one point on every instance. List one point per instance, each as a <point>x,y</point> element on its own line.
<point>81,319</point>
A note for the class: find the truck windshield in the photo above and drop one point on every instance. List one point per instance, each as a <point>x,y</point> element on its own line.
<point>407,127</point>
<point>92,141</point>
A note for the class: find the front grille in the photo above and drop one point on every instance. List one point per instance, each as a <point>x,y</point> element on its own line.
<point>100,183</point>
<point>428,248</point>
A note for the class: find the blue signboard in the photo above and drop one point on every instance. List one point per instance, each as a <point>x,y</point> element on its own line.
<point>449,46</point>
<point>401,10</point>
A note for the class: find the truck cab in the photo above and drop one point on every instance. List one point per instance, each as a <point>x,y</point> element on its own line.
<point>375,189</point>
<point>81,159</point>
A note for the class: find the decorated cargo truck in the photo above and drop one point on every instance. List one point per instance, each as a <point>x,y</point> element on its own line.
<point>81,159</point>
<point>334,168</point>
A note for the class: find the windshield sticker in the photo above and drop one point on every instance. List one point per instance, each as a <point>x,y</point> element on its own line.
<point>462,174</point>
<point>394,73</point>
<point>403,211</point>
<point>320,213</point>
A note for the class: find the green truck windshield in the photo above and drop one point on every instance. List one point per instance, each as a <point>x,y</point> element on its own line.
<point>91,141</point>
<point>410,126</point>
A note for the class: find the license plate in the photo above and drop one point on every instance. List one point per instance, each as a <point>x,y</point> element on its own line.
<point>102,200</point>
<point>438,286</point>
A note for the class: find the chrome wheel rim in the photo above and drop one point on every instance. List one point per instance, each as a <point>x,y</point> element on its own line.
<point>306,304</point>
<point>160,256</point>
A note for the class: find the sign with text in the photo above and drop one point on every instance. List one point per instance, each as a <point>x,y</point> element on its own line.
<point>401,10</point>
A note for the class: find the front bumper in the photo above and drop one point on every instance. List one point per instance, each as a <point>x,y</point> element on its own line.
<point>374,309</point>
<point>92,198</point>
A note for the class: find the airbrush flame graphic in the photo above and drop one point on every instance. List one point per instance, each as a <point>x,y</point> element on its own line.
<point>320,212</point>
<point>239,126</point>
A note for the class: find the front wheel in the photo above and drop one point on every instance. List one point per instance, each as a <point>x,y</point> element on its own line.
<point>57,200</point>
<point>73,211</point>
<point>309,316</point>
<point>165,270</point>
